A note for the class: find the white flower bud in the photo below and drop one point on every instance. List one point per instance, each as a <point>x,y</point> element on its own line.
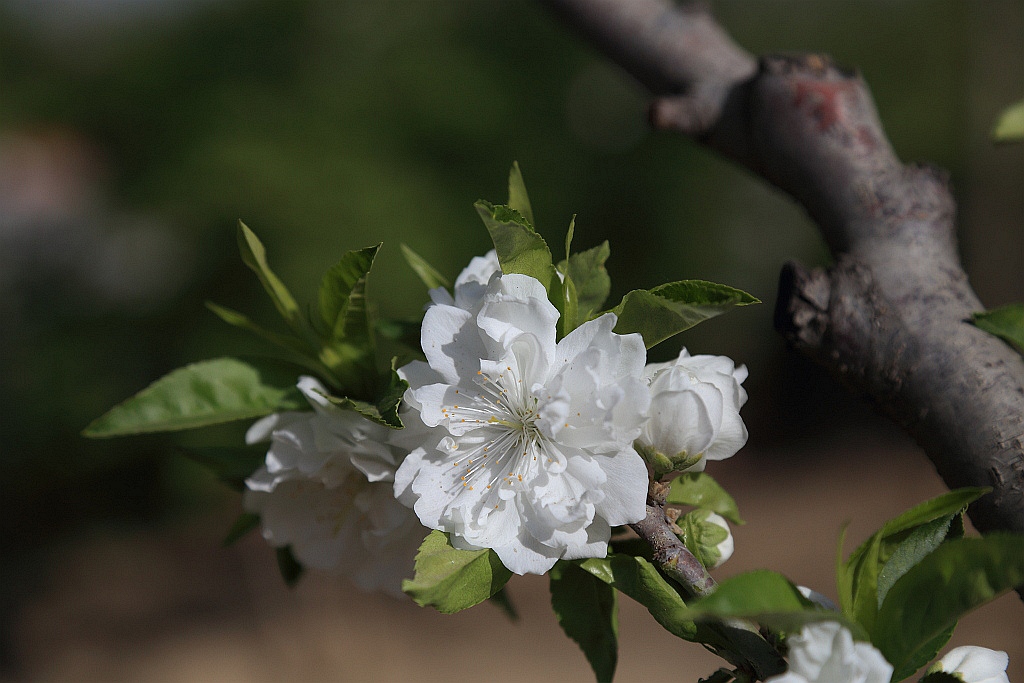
<point>974,664</point>
<point>695,412</point>
<point>825,652</point>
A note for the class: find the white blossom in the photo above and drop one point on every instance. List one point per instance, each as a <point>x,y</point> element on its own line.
<point>723,550</point>
<point>326,490</point>
<point>825,652</point>
<point>531,448</point>
<point>695,410</point>
<point>973,664</point>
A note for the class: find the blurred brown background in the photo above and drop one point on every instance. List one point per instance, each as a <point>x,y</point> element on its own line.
<point>133,133</point>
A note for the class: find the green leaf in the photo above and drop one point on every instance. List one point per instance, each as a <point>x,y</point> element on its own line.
<point>241,321</point>
<point>406,332</point>
<point>198,395</point>
<point>518,246</point>
<point>452,580</point>
<point>701,490</point>
<point>293,350</point>
<point>569,319</point>
<point>669,309</point>
<point>954,579</point>
<point>503,602</point>
<point>1006,322</point>
<point>857,578</point>
<point>428,275</point>
<point>921,541</point>
<point>769,599</point>
<point>590,278</point>
<point>385,410</point>
<point>291,570</point>
<point>587,611</point>
<point>1010,126</point>
<point>348,344</point>
<point>517,197</point>
<point>342,296</point>
<point>640,580</point>
<point>255,256</point>
<point>245,523</point>
<point>232,464</point>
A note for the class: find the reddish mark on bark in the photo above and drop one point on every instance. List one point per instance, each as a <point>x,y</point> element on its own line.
<point>867,138</point>
<point>824,98</point>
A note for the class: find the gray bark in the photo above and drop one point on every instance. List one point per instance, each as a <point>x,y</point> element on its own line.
<point>890,317</point>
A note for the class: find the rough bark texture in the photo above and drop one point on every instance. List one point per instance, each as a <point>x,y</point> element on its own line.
<point>890,317</point>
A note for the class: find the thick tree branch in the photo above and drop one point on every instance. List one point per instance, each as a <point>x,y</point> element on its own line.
<point>890,316</point>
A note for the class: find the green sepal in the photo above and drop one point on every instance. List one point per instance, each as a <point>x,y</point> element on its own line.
<point>290,568</point>
<point>587,610</point>
<point>451,580</point>
<point>702,491</point>
<point>1010,127</point>
<point>702,537</point>
<point>957,577</point>
<point>1006,322</point>
<point>245,523</point>
<point>659,313</point>
<point>427,274</point>
<point>941,677</point>
<point>199,395</point>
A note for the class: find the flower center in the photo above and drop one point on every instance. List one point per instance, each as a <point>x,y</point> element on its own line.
<point>500,441</point>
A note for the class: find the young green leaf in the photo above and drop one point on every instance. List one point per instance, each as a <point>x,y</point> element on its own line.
<point>1006,322</point>
<point>452,580</point>
<point>428,275</point>
<point>954,579</point>
<point>640,580</point>
<point>519,247</point>
<point>198,395</point>
<point>701,490</point>
<point>1010,126</point>
<point>517,197</point>
<point>348,345</point>
<point>385,410</point>
<point>587,611</point>
<point>914,548</point>
<point>669,309</point>
<point>521,250</point>
<point>254,254</point>
<point>293,350</point>
<point>290,568</point>
<point>590,278</point>
<point>857,578</point>
<point>342,297</point>
<point>245,523</point>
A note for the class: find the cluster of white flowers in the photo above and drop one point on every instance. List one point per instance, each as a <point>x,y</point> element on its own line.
<point>326,491</point>
<point>513,441</point>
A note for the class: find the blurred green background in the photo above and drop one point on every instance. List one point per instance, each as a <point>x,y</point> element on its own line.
<point>134,133</point>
